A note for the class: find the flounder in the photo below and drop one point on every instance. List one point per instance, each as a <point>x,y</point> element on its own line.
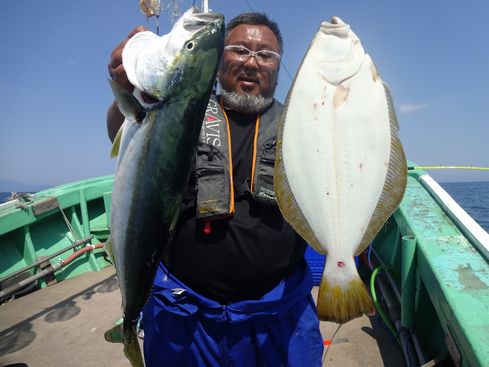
<point>340,168</point>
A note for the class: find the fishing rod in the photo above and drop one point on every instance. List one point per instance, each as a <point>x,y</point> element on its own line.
<point>152,8</point>
<point>449,167</point>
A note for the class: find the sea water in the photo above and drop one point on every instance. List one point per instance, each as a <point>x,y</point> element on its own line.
<point>4,196</point>
<point>473,197</point>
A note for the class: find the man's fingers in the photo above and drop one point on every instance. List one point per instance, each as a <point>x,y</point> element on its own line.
<point>116,56</point>
<point>115,67</point>
<point>138,29</point>
<point>119,75</point>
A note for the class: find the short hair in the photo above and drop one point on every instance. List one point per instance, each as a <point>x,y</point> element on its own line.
<point>257,19</point>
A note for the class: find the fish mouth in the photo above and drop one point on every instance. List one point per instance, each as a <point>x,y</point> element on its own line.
<point>336,26</point>
<point>337,20</point>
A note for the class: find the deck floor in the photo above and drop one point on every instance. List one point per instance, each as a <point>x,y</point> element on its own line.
<point>63,325</point>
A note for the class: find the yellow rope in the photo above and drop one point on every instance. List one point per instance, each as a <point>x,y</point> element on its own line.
<point>451,167</point>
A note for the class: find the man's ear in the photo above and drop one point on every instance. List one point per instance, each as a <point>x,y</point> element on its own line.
<point>218,75</point>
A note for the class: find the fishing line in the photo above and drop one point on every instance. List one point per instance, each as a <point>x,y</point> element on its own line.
<point>368,256</point>
<point>450,167</point>
<point>327,349</point>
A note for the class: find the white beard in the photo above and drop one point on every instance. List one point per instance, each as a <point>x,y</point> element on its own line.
<point>245,103</point>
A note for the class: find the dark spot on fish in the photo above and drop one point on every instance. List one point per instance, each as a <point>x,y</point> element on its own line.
<point>341,264</point>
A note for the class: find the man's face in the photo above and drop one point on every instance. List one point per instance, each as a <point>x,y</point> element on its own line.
<point>250,76</point>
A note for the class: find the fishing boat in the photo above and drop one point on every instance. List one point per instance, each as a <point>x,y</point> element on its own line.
<point>427,270</point>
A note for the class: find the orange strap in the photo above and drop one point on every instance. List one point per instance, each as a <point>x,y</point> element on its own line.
<point>255,140</point>
<point>230,152</point>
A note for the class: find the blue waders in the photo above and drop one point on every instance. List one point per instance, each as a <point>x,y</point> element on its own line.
<point>185,329</point>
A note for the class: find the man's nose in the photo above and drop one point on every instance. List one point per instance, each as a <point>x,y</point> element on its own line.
<point>251,63</point>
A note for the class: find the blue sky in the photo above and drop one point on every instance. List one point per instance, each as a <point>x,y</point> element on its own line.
<point>54,92</point>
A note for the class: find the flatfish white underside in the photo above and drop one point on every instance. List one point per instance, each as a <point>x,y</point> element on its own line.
<point>347,149</point>
<point>340,169</point>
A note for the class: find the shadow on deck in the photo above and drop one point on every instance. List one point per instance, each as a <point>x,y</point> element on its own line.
<point>63,325</point>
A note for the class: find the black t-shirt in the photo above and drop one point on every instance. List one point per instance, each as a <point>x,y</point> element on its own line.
<point>245,255</point>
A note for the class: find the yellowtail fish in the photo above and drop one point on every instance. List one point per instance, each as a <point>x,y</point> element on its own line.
<point>158,143</point>
<point>340,168</point>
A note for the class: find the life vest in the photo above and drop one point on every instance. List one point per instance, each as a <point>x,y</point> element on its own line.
<point>211,187</point>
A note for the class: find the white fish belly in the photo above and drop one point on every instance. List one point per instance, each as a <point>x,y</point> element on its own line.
<point>336,150</point>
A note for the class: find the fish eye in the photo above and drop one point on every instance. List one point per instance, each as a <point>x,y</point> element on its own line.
<point>190,45</point>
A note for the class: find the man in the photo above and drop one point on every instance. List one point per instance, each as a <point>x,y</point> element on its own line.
<point>233,288</point>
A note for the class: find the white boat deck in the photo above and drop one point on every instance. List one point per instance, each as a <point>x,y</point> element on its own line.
<point>63,325</point>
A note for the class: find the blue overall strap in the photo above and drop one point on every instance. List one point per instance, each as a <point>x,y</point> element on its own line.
<point>183,328</point>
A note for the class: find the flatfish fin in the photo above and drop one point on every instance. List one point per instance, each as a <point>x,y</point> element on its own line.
<point>285,198</point>
<point>340,304</point>
<point>395,182</point>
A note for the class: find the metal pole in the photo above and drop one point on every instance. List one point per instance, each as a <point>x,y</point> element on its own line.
<point>47,258</point>
<point>408,281</point>
<point>56,266</point>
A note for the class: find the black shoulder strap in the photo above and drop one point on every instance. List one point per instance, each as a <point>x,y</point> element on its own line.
<point>212,171</point>
<point>263,190</point>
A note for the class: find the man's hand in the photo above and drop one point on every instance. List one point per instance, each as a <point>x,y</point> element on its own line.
<point>116,69</point>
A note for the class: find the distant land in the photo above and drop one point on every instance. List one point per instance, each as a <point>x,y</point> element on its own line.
<point>16,186</point>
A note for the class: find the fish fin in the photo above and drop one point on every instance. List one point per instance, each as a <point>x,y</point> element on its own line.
<point>373,71</point>
<point>340,303</point>
<point>131,345</point>
<point>128,104</point>
<point>114,334</point>
<point>174,221</point>
<point>395,181</point>
<point>390,105</point>
<point>114,152</point>
<point>285,198</point>
<point>110,249</point>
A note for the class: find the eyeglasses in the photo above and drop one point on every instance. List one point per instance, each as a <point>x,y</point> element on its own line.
<point>263,56</point>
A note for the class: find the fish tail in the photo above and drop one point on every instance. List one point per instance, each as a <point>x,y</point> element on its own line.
<point>342,302</point>
<point>114,334</point>
<point>131,344</point>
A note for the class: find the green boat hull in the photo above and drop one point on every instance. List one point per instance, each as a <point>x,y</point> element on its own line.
<point>56,219</point>
<point>437,262</point>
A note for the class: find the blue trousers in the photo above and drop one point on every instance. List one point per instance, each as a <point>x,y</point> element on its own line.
<point>185,329</point>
